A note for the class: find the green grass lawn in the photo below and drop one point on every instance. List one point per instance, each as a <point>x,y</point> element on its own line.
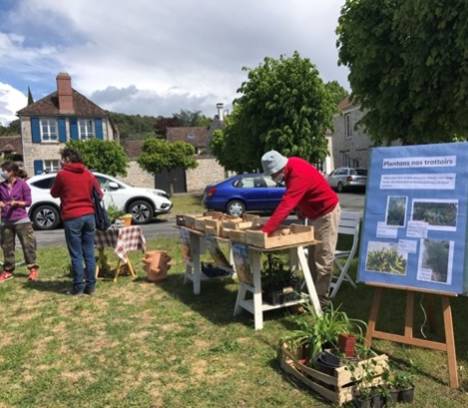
<point>187,204</point>
<point>136,344</point>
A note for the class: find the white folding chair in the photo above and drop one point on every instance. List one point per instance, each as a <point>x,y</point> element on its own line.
<point>349,225</point>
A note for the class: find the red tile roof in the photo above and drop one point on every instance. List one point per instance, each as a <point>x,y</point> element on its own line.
<point>196,136</point>
<point>48,106</point>
<point>345,104</point>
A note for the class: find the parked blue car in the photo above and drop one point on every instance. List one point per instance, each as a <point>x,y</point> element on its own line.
<point>244,192</point>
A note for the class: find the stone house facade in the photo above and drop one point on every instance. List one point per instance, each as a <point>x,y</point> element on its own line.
<point>350,143</point>
<point>46,125</point>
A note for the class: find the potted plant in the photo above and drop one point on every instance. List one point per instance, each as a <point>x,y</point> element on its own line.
<point>403,383</point>
<point>277,281</point>
<point>347,344</point>
<point>114,213</point>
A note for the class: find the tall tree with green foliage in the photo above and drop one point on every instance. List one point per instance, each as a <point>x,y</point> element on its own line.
<point>106,157</point>
<point>284,105</point>
<point>158,155</point>
<point>408,67</point>
<point>337,91</point>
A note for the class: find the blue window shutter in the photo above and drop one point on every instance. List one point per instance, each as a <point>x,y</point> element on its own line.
<point>35,130</point>
<point>73,129</point>
<point>62,130</point>
<point>98,127</point>
<point>38,167</point>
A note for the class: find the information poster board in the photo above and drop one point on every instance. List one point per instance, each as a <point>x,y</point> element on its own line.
<point>415,220</point>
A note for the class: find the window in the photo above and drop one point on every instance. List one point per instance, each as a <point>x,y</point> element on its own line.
<point>348,125</point>
<point>251,182</point>
<point>51,166</point>
<point>49,130</point>
<point>45,184</point>
<point>86,129</point>
<point>270,182</point>
<point>104,182</point>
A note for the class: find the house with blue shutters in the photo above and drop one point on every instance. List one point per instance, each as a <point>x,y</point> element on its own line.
<point>47,124</point>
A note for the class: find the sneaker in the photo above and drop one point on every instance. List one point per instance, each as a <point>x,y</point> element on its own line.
<point>75,292</point>
<point>33,274</point>
<point>4,276</point>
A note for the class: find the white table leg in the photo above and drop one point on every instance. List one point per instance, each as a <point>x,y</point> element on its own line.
<point>196,265</point>
<point>255,263</point>
<point>240,298</point>
<point>309,281</point>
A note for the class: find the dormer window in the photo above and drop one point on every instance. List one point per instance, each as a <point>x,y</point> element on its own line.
<point>86,129</point>
<point>49,130</point>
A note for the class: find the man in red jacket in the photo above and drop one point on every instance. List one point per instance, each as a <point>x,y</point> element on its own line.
<point>310,195</point>
<point>74,185</point>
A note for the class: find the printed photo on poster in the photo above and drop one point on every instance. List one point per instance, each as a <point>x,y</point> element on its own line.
<point>386,257</point>
<point>435,261</point>
<point>440,214</point>
<point>396,211</point>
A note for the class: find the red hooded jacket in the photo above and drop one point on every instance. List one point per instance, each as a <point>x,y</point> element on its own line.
<point>74,186</point>
<point>306,190</point>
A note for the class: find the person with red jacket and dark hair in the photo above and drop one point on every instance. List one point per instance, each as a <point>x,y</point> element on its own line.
<point>311,196</point>
<point>74,186</point>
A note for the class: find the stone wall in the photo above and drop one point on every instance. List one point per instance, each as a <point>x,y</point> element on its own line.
<point>138,177</point>
<point>208,171</point>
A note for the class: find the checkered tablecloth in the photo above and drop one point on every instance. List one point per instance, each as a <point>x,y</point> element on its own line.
<point>123,240</point>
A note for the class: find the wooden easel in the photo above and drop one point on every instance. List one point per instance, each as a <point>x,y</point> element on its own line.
<point>407,338</point>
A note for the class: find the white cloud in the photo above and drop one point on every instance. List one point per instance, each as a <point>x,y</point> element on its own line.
<point>197,48</point>
<point>11,100</point>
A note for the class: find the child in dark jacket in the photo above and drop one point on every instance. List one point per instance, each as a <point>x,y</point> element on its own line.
<point>15,197</point>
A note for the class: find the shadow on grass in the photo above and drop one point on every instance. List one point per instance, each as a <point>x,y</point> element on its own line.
<point>215,302</point>
<point>55,286</point>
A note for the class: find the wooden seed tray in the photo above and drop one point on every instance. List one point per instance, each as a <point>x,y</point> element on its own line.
<point>286,235</point>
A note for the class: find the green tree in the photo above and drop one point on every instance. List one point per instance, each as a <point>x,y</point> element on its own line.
<point>337,91</point>
<point>158,155</point>
<point>284,105</point>
<point>408,67</point>
<point>191,118</point>
<point>103,156</point>
<point>12,129</point>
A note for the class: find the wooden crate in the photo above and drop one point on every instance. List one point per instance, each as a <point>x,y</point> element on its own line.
<point>286,235</point>
<point>339,388</point>
<point>235,235</point>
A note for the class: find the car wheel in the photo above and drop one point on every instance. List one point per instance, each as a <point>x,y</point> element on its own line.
<point>339,187</point>
<point>235,208</point>
<point>45,217</point>
<point>142,211</point>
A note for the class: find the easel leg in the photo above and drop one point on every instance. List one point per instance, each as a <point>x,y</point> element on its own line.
<point>409,314</point>
<point>450,341</point>
<point>374,313</point>
<point>131,269</point>
<point>117,270</point>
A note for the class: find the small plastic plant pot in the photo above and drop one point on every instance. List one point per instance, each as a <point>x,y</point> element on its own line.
<point>407,396</point>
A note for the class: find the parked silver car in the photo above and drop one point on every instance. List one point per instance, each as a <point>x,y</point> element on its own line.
<point>347,177</point>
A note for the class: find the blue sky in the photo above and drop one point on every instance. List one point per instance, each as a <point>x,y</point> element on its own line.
<point>156,57</point>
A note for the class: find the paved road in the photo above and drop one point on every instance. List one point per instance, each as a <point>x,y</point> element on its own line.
<point>351,201</point>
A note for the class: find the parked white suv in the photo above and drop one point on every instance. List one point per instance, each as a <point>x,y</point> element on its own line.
<point>143,203</point>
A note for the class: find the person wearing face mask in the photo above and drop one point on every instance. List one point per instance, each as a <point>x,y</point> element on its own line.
<point>311,196</point>
<point>15,197</point>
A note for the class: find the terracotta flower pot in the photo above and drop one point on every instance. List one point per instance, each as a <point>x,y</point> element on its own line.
<point>156,264</point>
<point>127,220</point>
<point>347,344</point>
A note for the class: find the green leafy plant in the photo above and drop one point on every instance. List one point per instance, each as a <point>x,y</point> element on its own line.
<point>386,260</point>
<point>114,213</point>
<point>316,332</point>
<point>402,380</point>
<point>275,276</point>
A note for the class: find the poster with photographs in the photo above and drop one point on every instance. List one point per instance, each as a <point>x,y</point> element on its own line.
<point>440,214</point>
<point>415,228</point>
<point>435,261</point>
<point>386,257</point>
<point>396,211</point>
<point>240,254</point>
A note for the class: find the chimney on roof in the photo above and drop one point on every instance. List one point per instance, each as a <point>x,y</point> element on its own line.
<point>220,108</point>
<point>64,93</point>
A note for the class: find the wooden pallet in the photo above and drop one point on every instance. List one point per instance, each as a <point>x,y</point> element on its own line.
<point>339,388</point>
<point>286,235</point>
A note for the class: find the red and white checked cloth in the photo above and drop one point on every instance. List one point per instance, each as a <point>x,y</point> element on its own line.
<point>123,240</point>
